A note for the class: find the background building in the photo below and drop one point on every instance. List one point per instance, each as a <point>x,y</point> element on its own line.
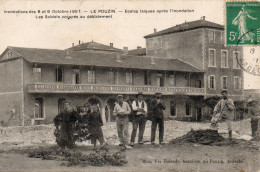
<point>187,63</point>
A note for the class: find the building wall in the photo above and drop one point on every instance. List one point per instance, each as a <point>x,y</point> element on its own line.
<point>11,92</point>
<point>218,71</point>
<point>184,45</point>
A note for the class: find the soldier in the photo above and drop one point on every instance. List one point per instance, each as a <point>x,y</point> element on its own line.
<point>139,118</point>
<point>121,111</point>
<point>157,107</point>
<point>66,120</point>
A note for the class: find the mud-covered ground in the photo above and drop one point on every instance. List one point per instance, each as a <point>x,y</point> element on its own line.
<point>16,143</point>
<point>186,157</point>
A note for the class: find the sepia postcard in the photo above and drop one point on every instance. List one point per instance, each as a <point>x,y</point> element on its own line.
<point>130,85</point>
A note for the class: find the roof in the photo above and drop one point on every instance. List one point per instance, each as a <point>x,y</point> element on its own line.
<point>187,26</point>
<point>137,52</point>
<point>94,46</point>
<point>54,56</point>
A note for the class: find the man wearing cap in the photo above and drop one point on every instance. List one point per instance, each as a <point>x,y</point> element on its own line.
<point>254,114</point>
<point>225,108</point>
<point>121,111</point>
<point>157,107</point>
<point>65,120</point>
<point>139,118</point>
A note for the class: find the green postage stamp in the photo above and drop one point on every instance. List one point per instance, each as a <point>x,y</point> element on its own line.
<point>243,23</point>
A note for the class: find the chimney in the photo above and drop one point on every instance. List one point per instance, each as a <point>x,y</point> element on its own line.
<point>155,30</point>
<point>72,44</point>
<point>203,18</point>
<point>79,42</point>
<point>138,47</point>
<point>125,49</point>
<point>111,45</point>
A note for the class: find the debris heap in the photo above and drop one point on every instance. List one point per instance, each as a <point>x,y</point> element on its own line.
<point>205,137</point>
<point>73,158</point>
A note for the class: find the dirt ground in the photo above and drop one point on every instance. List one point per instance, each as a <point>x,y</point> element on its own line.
<point>17,142</point>
<point>186,157</point>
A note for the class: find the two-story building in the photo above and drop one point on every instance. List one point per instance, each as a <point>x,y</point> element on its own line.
<point>35,82</point>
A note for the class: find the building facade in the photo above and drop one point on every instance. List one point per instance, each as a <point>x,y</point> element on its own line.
<point>180,65</point>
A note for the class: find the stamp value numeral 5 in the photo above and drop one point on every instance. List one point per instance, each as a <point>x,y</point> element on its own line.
<point>232,36</point>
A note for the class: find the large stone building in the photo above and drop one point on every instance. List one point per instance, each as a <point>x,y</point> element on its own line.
<point>182,62</point>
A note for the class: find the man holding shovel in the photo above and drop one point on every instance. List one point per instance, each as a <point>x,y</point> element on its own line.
<point>224,110</point>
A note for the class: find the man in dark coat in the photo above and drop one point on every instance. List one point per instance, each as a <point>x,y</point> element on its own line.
<point>64,121</point>
<point>157,107</point>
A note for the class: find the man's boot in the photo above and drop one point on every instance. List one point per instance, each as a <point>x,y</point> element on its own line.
<point>230,134</point>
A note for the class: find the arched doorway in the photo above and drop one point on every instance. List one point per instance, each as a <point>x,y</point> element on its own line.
<point>110,108</point>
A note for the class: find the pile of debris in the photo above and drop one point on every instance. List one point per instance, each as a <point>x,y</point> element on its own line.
<point>73,158</point>
<point>205,137</point>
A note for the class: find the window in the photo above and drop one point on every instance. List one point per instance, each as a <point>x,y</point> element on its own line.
<point>172,79</point>
<point>37,74</point>
<point>129,77</point>
<point>159,40</point>
<point>173,109</point>
<point>237,83</point>
<point>160,80</point>
<point>10,55</point>
<point>147,78</point>
<point>199,113</point>
<point>211,82</point>
<point>38,108</point>
<point>76,76</point>
<point>212,58</point>
<point>188,108</point>
<point>59,74</point>
<point>211,36</point>
<point>235,60</point>
<point>198,84</point>
<point>224,82</point>
<point>111,76</point>
<point>91,76</point>
<point>224,58</point>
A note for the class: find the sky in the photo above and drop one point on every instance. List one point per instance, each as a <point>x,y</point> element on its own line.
<point>123,29</point>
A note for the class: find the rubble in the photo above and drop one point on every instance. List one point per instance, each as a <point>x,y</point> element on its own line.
<point>205,137</point>
<point>73,158</point>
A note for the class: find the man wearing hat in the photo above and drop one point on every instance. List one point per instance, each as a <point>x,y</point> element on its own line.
<point>225,110</point>
<point>121,111</point>
<point>139,118</point>
<point>157,107</point>
<point>65,121</point>
<point>254,114</point>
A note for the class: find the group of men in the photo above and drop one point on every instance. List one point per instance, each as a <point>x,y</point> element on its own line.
<point>137,112</point>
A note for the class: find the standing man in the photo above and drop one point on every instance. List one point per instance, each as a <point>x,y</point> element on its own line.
<point>254,114</point>
<point>157,107</point>
<point>121,111</point>
<point>225,109</point>
<point>139,118</point>
<point>65,121</point>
